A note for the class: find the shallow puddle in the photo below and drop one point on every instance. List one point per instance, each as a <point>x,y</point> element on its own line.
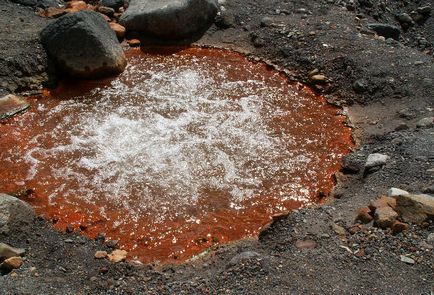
<point>183,150</point>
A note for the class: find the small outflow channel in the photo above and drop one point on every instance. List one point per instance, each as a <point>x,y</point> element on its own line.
<point>184,150</point>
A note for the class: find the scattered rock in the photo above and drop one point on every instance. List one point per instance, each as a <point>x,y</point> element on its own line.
<point>225,20</point>
<point>318,79</point>
<point>53,12</point>
<point>14,214</point>
<point>115,4</point>
<point>134,42</point>
<point>375,160</point>
<point>407,260</point>
<point>339,229</point>
<point>11,105</point>
<point>404,19</point>
<point>118,29</point>
<point>428,189</point>
<point>401,126</point>
<point>398,227</point>
<point>385,217</point>
<point>117,256</point>
<point>382,202</point>
<point>425,122</point>
<point>7,251</point>
<point>11,263</point>
<point>430,238</point>
<point>83,45</point>
<point>364,215</point>
<point>267,22</point>
<point>385,30</point>
<point>101,254</point>
<point>393,192</point>
<point>169,19</point>
<point>360,86</point>
<point>305,244</point>
<point>415,208</point>
<point>75,6</point>
<point>106,10</point>
<point>242,257</point>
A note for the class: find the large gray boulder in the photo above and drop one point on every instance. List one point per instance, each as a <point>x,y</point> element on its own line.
<point>14,214</point>
<point>169,19</point>
<point>83,45</point>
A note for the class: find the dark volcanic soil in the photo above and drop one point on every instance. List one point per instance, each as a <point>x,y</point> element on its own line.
<point>299,36</point>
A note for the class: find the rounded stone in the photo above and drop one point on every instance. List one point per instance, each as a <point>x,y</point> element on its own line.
<point>169,19</point>
<point>14,214</point>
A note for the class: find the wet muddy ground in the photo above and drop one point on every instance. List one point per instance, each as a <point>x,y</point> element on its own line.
<point>397,88</point>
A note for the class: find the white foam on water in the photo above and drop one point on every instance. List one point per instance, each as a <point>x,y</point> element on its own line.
<point>172,132</point>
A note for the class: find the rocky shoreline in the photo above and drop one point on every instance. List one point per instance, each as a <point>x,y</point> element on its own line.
<point>385,85</point>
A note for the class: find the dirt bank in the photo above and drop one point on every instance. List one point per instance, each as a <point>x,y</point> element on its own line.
<point>383,83</point>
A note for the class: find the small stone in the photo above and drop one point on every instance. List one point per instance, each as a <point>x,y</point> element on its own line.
<point>225,20</point>
<point>339,229</point>
<point>398,227</point>
<point>134,42</point>
<point>118,29</point>
<point>415,208</point>
<point>364,215</point>
<point>11,263</point>
<point>75,6</point>
<point>103,270</point>
<point>101,254</point>
<point>428,189</point>
<point>112,244</point>
<point>404,18</point>
<point>318,78</point>
<point>385,217</point>
<point>393,192</point>
<point>7,251</point>
<point>267,21</point>
<point>115,4</point>
<point>14,214</point>
<point>117,256</point>
<point>375,160</point>
<point>425,122</point>
<point>385,30</point>
<point>430,238</point>
<point>407,260</point>
<point>360,86</point>
<point>305,244</point>
<point>54,12</point>
<point>401,126</point>
<point>424,10</point>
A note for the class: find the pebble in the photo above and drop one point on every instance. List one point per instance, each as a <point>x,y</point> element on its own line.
<point>339,229</point>
<point>407,259</point>
<point>385,217</point>
<point>385,30</point>
<point>134,42</point>
<point>430,238</point>
<point>375,160</point>
<point>360,86</point>
<point>118,29</point>
<point>243,256</point>
<point>101,254</point>
<point>364,215</point>
<point>117,256</point>
<point>305,244</point>
<point>425,122</point>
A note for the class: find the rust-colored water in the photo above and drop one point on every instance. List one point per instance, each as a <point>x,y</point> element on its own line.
<point>181,151</point>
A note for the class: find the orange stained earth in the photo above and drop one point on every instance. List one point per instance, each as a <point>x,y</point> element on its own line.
<point>185,149</point>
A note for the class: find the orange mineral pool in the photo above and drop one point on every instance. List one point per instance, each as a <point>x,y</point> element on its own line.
<point>183,150</point>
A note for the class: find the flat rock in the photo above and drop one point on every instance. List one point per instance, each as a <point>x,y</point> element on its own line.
<point>382,202</point>
<point>385,30</point>
<point>100,254</point>
<point>83,45</point>
<point>305,244</point>
<point>407,260</point>
<point>364,215</point>
<point>415,208</point>
<point>242,257</point>
<point>7,251</point>
<point>375,160</point>
<point>117,256</point>
<point>14,214</point>
<point>11,105</point>
<point>169,19</point>
<point>393,192</point>
<point>115,4</point>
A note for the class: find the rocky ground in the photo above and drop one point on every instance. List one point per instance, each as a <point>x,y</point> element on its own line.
<point>385,85</point>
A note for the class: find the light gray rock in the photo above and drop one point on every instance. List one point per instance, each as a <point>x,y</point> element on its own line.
<point>11,105</point>
<point>243,256</point>
<point>83,45</point>
<point>375,160</point>
<point>393,192</point>
<point>14,214</point>
<point>415,208</point>
<point>169,19</point>
<point>425,122</point>
<point>7,251</point>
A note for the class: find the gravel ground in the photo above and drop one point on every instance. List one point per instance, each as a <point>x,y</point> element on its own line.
<point>299,36</point>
